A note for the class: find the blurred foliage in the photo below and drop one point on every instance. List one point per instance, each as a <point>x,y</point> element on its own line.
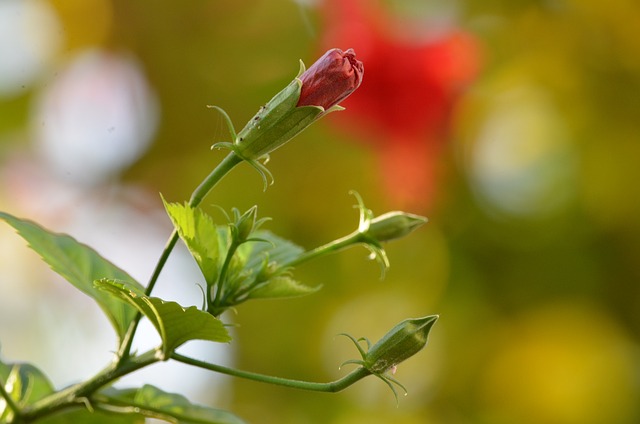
<point>539,309</point>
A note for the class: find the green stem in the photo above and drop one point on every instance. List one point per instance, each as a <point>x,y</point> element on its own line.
<point>334,386</point>
<point>223,273</point>
<point>331,247</point>
<point>80,394</point>
<point>10,403</point>
<point>213,178</point>
<point>228,163</point>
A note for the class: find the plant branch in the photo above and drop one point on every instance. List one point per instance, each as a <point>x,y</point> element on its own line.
<point>223,272</point>
<point>9,400</point>
<point>79,394</point>
<point>228,163</point>
<point>331,247</point>
<point>332,387</point>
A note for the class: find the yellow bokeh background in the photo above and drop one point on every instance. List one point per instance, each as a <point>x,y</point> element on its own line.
<point>531,256</point>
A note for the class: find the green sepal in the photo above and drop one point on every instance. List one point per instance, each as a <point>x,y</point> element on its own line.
<point>301,70</point>
<point>227,120</point>
<point>276,123</point>
<point>377,251</point>
<point>373,231</point>
<point>267,177</point>
<point>400,343</point>
<point>393,225</point>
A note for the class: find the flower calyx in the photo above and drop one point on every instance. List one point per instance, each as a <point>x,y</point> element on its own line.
<point>373,231</point>
<point>245,225</point>
<point>402,342</point>
<point>314,93</point>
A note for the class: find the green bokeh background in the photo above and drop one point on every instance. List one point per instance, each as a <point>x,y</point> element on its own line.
<point>540,318</point>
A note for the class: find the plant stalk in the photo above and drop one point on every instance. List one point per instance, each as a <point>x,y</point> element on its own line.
<point>10,403</point>
<point>80,394</point>
<point>228,163</point>
<point>331,247</point>
<point>223,274</point>
<point>331,387</point>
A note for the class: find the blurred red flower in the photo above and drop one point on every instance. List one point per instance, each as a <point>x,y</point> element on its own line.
<point>403,107</point>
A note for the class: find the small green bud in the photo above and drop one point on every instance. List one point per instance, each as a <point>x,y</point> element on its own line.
<point>245,223</point>
<point>393,225</point>
<point>267,270</point>
<point>402,342</point>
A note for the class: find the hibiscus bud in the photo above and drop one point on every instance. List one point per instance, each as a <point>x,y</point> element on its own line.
<point>245,223</point>
<point>393,225</point>
<point>331,79</point>
<point>402,342</point>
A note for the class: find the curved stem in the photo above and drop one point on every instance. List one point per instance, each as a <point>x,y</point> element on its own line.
<point>334,386</point>
<point>230,161</point>
<point>213,178</point>
<point>10,403</point>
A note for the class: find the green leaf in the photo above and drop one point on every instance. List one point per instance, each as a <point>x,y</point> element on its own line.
<point>278,249</point>
<point>25,384</point>
<point>95,416</point>
<point>175,324</point>
<point>208,244</point>
<point>80,265</point>
<point>153,402</point>
<point>202,237</point>
<point>281,286</point>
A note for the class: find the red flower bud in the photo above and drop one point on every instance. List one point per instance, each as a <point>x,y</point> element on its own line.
<point>331,79</point>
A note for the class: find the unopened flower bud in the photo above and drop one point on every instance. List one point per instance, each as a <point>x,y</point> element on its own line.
<point>393,225</point>
<point>331,79</point>
<point>314,93</point>
<point>403,341</point>
<point>245,223</point>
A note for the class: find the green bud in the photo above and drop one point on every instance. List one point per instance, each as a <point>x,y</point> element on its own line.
<point>312,94</point>
<point>266,270</point>
<point>393,225</point>
<point>245,223</point>
<point>403,341</point>
<point>276,123</point>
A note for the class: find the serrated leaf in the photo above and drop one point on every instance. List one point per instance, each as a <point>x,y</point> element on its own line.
<point>171,407</point>
<point>80,265</point>
<point>202,237</point>
<point>277,248</point>
<point>281,286</point>
<point>175,324</point>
